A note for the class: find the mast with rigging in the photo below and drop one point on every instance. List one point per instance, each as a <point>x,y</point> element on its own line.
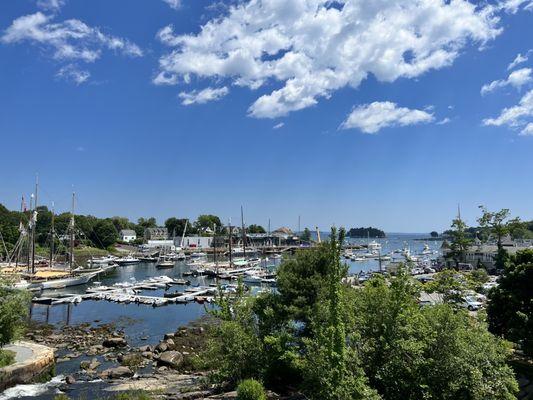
<point>71,253</point>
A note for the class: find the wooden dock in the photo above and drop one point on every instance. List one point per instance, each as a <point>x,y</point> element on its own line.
<point>127,294</point>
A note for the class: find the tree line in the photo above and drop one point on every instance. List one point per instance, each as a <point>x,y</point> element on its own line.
<point>100,232</point>
<point>366,232</point>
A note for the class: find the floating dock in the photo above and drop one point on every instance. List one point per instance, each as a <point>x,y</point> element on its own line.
<point>128,293</point>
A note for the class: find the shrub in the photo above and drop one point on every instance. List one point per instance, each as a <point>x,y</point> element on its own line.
<point>250,389</point>
<point>6,358</point>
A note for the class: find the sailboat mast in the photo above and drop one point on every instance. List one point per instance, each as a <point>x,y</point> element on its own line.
<point>71,254</point>
<point>52,237</point>
<point>268,240</point>
<point>34,225</point>
<point>243,234</point>
<point>215,246</point>
<point>230,233</point>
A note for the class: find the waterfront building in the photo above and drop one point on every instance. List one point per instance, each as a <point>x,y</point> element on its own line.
<point>128,235</point>
<point>166,245</point>
<point>159,233</point>
<point>480,253</point>
<point>197,242</point>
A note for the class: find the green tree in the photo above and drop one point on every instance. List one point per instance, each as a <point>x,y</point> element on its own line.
<point>104,234</point>
<point>459,241</point>
<point>409,352</point>
<point>332,372</point>
<point>255,229</point>
<point>205,221</point>
<point>499,225</point>
<point>510,310</point>
<point>175,226</point>
<point>434,234</point>
<point>306,235</point>
<point>14,306</point>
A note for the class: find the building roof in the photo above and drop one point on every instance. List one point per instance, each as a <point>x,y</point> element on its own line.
<point>283,230</point>
<point>158,229</point>
<point>128,232</point>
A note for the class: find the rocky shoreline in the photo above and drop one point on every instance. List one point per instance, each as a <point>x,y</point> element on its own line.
<point>170,368</point>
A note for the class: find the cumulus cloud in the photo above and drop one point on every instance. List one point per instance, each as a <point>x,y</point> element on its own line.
<point>370,118</point>
<point>279,126</point>
<point>70,40</point>
<point>516,116</point>
<point>517,79</point>
<point>528,130</point>
<point>444,121</point>
<point>175,4</point>
<point>72,73</point>
<point>203,96</point>
<point>312,48</point>
<point>51,5</point>
<point>513,6</point>
<point>519,59</point>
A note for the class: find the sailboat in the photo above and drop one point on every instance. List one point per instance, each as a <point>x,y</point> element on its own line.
<point>163,263</point>
<point>53,278</point>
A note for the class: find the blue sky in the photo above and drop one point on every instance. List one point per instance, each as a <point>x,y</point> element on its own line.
<point>338,125</point>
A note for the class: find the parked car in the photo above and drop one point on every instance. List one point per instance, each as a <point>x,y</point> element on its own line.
<point>471,303</point>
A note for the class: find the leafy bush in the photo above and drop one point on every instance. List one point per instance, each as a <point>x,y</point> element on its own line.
<point>6,358</point>
<point>13,312</point>
<point>250,389</point>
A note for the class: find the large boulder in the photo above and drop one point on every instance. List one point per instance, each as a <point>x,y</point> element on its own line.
<point>172,359</point>
<point>116,373</point>
<point>115,342</point>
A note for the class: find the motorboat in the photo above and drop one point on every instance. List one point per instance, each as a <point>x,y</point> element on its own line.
<point>426,250</point>
<point>128,260</point>
<point>373,245</point>
<point>165,264</point>
<point>101,261</point>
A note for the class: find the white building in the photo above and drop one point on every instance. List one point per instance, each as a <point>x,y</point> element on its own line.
<point>128,235</point>
<point>165,245</point>
<point>195,242</point>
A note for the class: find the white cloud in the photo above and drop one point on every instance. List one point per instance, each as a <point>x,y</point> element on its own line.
<point>528,130</point>
<point>68,40</point>
<point>370,118</point>
<point>519,59</point>
<point>279,126</point>
<point>203,96</point>
<point>444,121</point>
<point>513,6</point>
<point>516,116</point>
<point>71,73</point>
<point>175,4</point>
<point>51,5</point>
<point>517,79</point>
<point>313,48</point>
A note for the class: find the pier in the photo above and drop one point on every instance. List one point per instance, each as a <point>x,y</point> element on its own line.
<point>127,293</point>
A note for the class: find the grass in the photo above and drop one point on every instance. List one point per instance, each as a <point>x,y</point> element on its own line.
<point>7,357</point>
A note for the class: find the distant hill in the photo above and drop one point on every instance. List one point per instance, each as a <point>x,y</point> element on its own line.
<point>366,232</point>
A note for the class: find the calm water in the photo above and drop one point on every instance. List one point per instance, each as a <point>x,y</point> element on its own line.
<point>146,325</point>
<point>141,321</point>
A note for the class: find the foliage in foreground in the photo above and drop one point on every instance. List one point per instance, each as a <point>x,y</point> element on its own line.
<point>6,358</point>
<point>333,342</point>
<point>14,305</point>
<point>510,310</point>
<point>250,389</point>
